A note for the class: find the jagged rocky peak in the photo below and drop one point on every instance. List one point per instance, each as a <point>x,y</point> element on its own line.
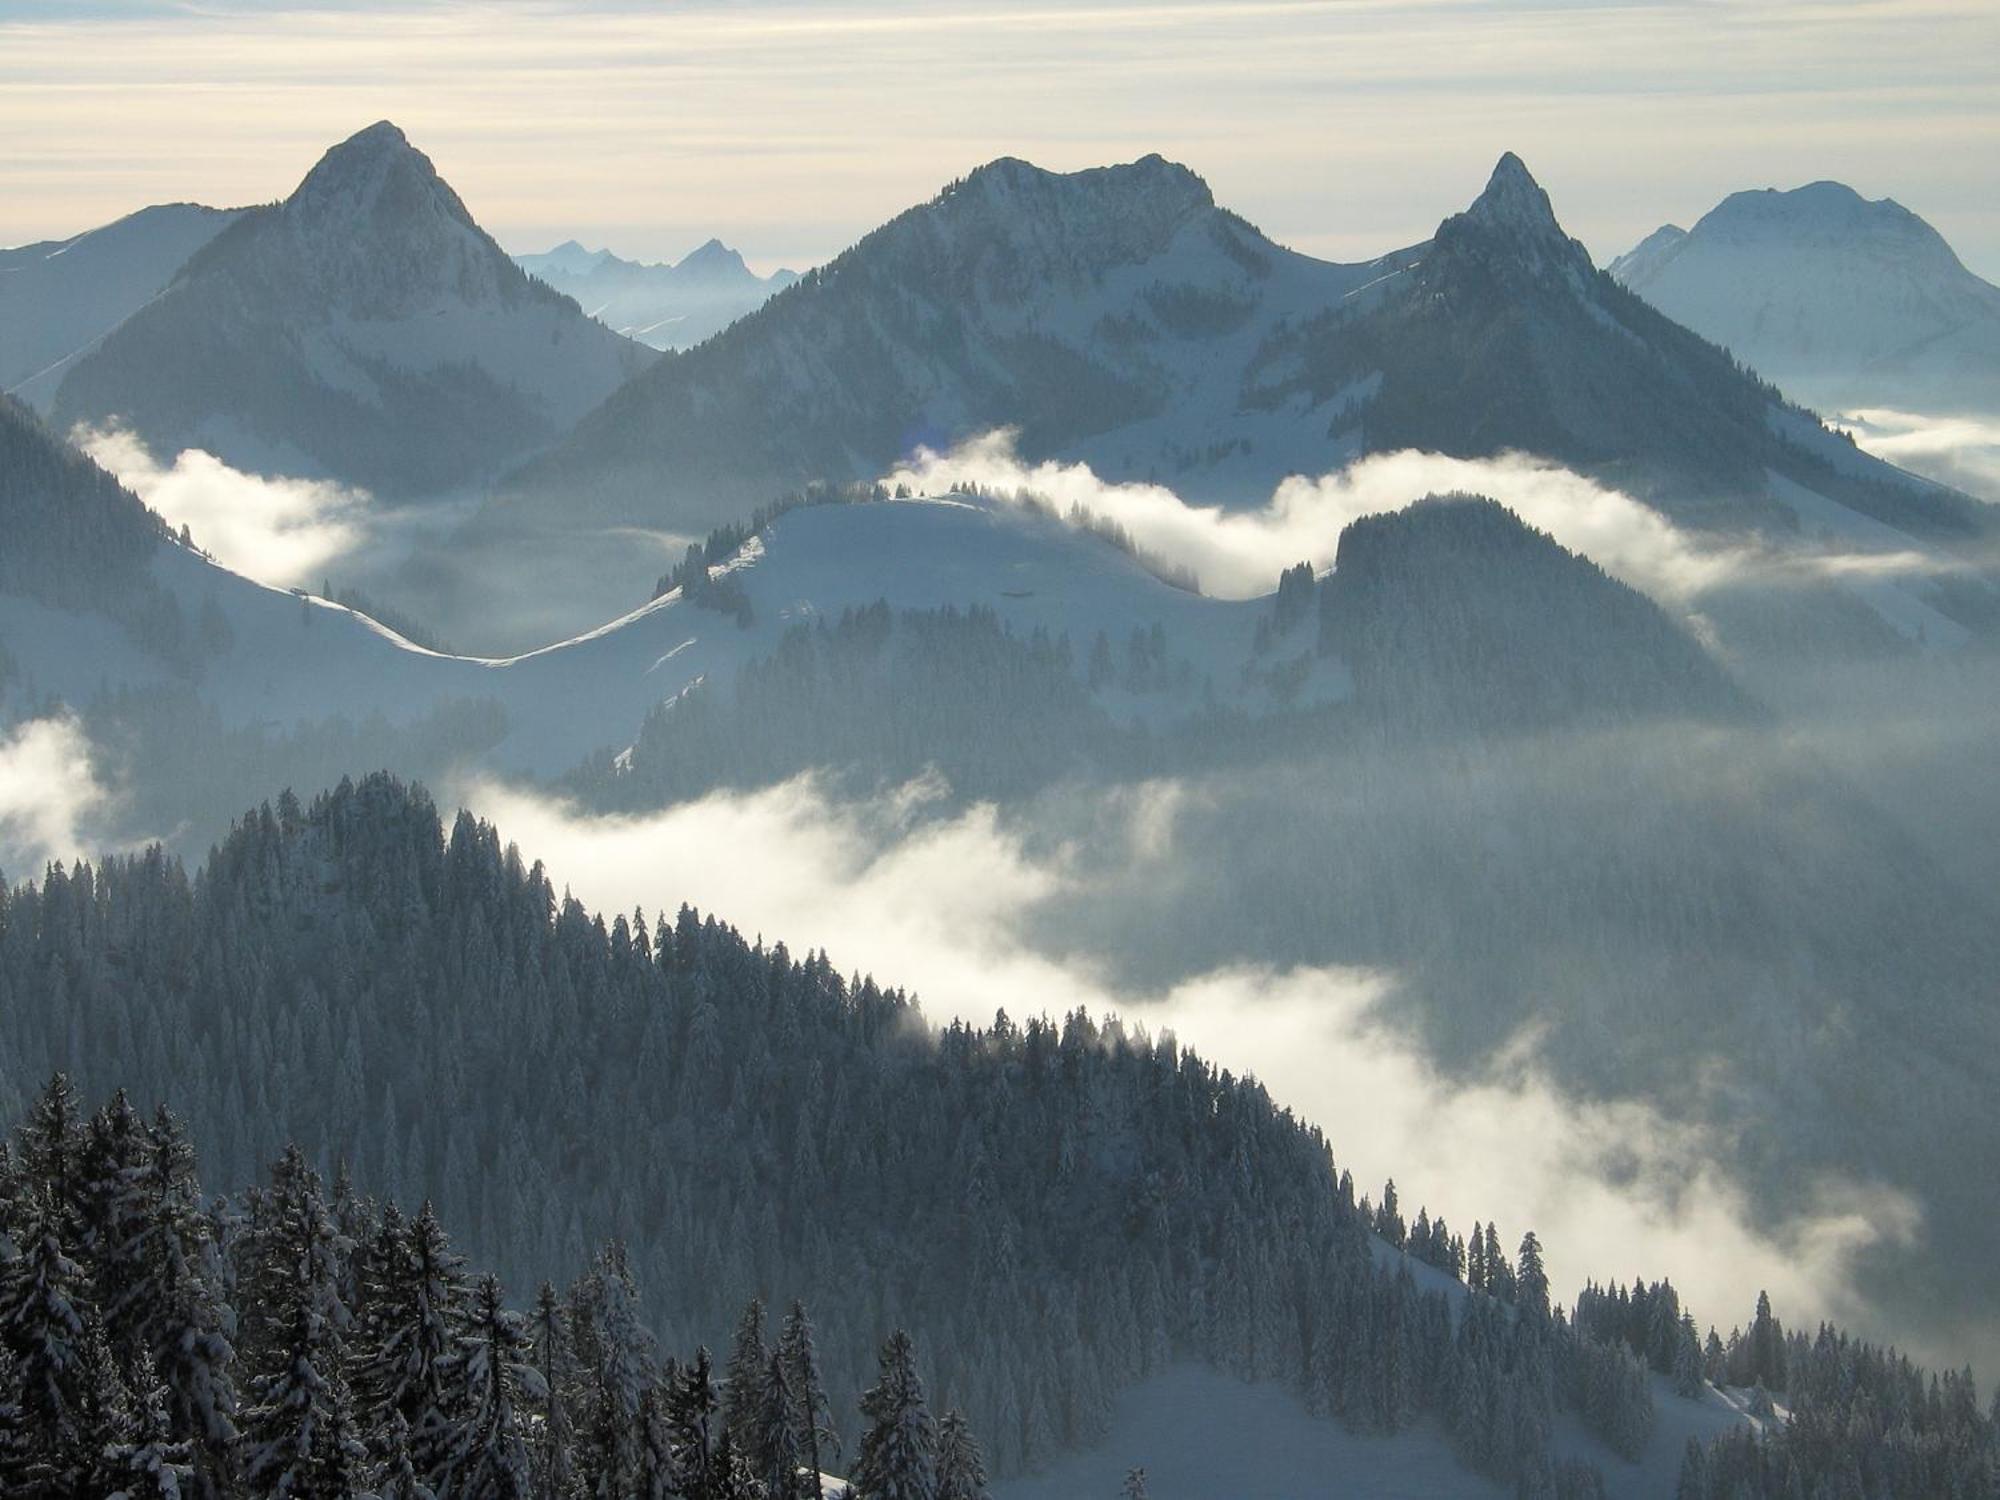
<point>1512,219</point>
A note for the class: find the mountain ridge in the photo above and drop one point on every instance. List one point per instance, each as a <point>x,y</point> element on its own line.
<point>365,329</point>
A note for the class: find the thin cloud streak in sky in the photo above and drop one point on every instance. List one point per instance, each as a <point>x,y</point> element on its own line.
<point>546,116</point>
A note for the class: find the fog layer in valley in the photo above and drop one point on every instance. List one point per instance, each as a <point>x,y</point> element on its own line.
<point>947,905</point>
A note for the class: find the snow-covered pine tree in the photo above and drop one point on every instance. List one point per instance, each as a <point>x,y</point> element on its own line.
<point>65,1386</point>
<point>489,1457</point>
<point>149,1464</point>
<point>1532,1283</point>
<point>777,1447</point>
<point>961,1468</point>
<point>898,1457</point>
<point>814,1418</point>
<point>743,1381</point>
<point>691,1405</point>
<point>554,1468</point>
<point>411,1342</point>
<point>300,1436</point>
<point>183,1312</point>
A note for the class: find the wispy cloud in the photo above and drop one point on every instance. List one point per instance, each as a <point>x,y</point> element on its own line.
<point>1958,450</point>
<point>52,806</point>
<point>797,126</point>
<point>1239,553</point>
<point>278,531</point>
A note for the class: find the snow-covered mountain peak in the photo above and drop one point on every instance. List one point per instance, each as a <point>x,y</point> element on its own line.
<point>376,233</point>
<point>1827,215</point>
<point>364,329</point>
<point>375,178</point>
<point>1840,299</point>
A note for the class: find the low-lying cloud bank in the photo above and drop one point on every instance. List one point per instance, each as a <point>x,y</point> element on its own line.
<point>1958,450</point>
<point>942,905</point>
<point>52,805</point>
<point>1239,553</point>
<point>279,531</point>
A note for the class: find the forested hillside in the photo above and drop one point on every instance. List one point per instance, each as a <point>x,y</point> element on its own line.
<point>76,539</point>
<point>1052,1208</point>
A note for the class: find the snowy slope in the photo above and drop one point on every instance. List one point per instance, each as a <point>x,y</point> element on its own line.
<point>667,306</point>
<point>1840,300</point>
<point>365,329</point>
<point>294,659</point>
<point>58,298</point>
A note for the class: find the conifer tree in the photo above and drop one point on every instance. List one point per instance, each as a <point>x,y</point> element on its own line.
<point>66,1396</point>
<point>299,1431</point>
<point>1532,1283</point>
<point>489,1458</point>
<point>743,1382</point>
<point>778,1448</point>
<point>554,1468</point>
<point>961,1468</point>
<point>691,1405</point>
<point>898,1457</point>
<point>814,1422</point>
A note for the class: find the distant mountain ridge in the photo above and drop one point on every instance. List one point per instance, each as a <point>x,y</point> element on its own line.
<point>1113,311</point>
<point>1839,299</point>
<point>1119,317</point>
<point>668,306</point>
<point>364,329</point>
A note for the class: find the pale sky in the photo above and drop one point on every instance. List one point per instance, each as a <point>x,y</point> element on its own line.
<point>1341,127</point>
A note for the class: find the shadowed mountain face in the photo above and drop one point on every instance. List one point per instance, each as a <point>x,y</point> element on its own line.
<point>365,329</point>
<point>666,306</point>
<point>1119,317</point>
<point>1840,300</point>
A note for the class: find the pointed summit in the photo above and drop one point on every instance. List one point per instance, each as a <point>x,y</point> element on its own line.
<point>1514,199</point>
<point>374,177</point>
<point>714,261</point>
<point>1512,223</point>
